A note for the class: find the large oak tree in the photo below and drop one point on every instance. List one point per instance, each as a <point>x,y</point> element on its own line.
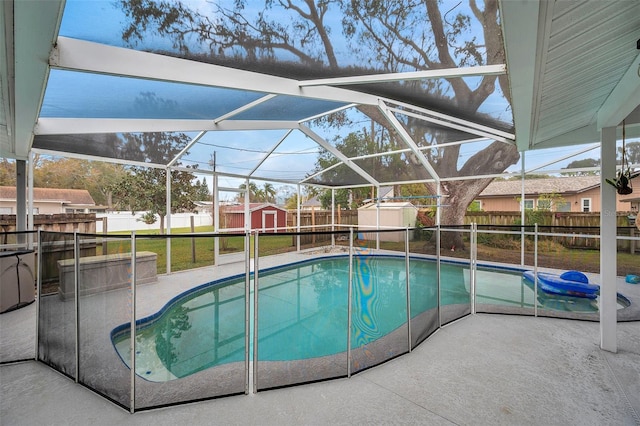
<point>381,36</point>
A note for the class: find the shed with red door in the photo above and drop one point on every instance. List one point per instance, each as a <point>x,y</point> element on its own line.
<point>265,217</point>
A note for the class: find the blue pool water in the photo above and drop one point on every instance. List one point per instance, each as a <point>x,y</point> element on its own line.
<point>303,311</point>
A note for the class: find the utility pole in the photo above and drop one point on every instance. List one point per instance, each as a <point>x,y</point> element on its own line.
<point>212,163</point>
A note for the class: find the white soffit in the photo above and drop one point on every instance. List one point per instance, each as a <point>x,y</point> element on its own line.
<point>624,99</point>
<point>520,29</point>
<point>6,77</point>
<point>35,27</point>
<point>579,76</point>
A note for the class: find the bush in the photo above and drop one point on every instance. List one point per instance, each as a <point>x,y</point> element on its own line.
<point>499,241</point>
<point>149,218</point>
<point>424,219</point>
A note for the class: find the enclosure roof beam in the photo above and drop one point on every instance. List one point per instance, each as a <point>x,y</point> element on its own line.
<point>186,149</point>
<point>333,166</point>
<point>408,76</point>
<point>73,54</point>
<point>408,140</point>
<point>473,130</point>
<point>62,126</point>
<point>325,113</point>
<point>235,175</point>
<point>100,158</point>
<point>557,160</point>
<point>449,121</point>
<point>324,144</point>
<point>244,108</point>
<point>268,154</point>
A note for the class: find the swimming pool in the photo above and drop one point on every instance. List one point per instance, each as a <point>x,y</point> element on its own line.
<point>303,311</point>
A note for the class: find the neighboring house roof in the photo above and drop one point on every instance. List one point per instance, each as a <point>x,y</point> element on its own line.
<point>65,196</point>
<point>563,185</point>
<point>386,193</point>
<point>311,202</point>
<point>239,208</point>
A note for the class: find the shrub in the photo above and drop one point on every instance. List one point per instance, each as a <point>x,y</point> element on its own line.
<point>149,218</point>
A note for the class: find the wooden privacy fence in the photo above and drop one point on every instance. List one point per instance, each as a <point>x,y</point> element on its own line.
<point>544,219</point>
<point>321,220</point>
<point>321,217</point>
<point>64,222</point>
<point>563,223</point>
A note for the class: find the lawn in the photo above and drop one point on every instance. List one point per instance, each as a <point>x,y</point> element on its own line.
<point>188,252</point>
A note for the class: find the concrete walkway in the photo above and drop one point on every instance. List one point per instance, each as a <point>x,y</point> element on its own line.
<point>482,370</point>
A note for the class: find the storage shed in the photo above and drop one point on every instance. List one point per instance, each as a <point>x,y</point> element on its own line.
<point>265,217</point>
<point>392,214</point>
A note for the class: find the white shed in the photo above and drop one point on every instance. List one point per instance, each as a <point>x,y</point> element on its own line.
<point>392,215</point>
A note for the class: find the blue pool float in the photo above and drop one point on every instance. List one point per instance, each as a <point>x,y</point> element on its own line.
<point>570,283</point>
<point>633,279</point>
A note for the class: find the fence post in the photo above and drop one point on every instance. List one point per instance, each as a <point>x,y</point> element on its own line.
<point>438,274</point>
<point>193,241</point>
<point>132,333</point>
<point>76,304</point>
<point>255,312</point>
<point>473,260</point>
<point>313,225</point>
<point>408,285</point>
<point>38,290</point>
<point>247,307</point>
<point>105,246</point>
<point>535,270</point>
<point>349,296</point>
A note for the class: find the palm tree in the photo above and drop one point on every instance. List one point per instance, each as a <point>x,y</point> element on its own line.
<point>254,192</point>
<point>269,193</point>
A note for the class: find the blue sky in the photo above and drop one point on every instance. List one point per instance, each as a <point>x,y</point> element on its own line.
<point>102,21</point>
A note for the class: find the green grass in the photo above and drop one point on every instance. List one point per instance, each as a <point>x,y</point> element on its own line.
<point>196,252</point>
<point>182,253</point>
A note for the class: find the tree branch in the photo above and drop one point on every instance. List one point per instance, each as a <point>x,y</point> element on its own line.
<point>462,91</point>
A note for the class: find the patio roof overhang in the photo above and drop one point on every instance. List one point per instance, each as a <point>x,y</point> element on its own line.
<point>574,69</point>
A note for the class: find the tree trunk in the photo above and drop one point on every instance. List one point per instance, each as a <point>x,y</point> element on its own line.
<point>161,224</point>
<point>454,207</point>
<point>459,194</point>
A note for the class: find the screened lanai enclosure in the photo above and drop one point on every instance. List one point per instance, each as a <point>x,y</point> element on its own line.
<point>333,95</point>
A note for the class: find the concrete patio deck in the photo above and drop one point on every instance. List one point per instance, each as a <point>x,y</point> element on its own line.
<point>482,369</point>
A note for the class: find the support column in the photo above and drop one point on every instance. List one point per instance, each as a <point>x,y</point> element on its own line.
<point>608,245</point>
<point>523,216</point>
<point>298,220</point>
<point>378,217</point>
<point>215,211</point>
<point>21,195</point>
<point>168,217</point>
<point>333,217</point>
<point>439,202</point>
<point>247,218</point>
<point>30,200</point>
